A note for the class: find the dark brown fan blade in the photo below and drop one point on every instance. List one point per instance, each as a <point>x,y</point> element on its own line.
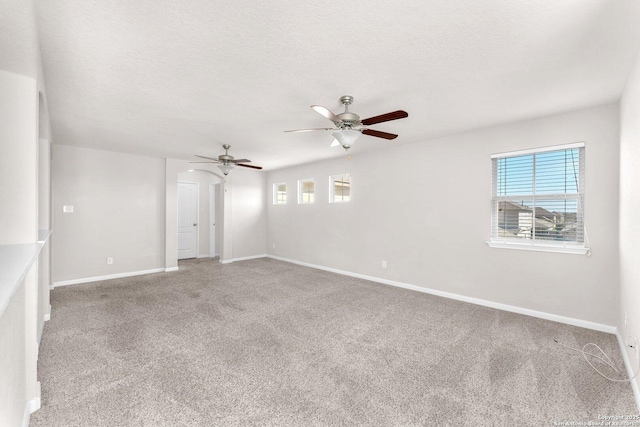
<point>241,161</point>
<point>379,134</point>
<point>395,115</point>
<point>208,158</point>
<point>249,166</point>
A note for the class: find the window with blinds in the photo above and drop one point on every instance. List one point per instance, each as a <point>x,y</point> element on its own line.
<point>538,198</point>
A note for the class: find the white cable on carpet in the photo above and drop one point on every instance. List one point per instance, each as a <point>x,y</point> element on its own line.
<point>607,361</point>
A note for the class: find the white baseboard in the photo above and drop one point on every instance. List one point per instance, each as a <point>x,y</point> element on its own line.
<point>34,404</point>
<point>107,277</point>
<point>244,258</point>
<point>630,372</point>
<point>203,256</point>
<point>30,407</point>
<point>26,414</point>
<point>169,269</point>
<point>499,306</point>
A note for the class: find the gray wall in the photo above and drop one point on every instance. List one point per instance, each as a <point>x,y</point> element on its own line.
<point>425,209</point>
<point>119,206</point>
<point>630,211</point>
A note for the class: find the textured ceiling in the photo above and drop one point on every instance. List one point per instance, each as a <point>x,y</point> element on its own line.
<point>166,78</point>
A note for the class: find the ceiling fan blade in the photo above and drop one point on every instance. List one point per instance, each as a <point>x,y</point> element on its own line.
<point>308,130</point>
<point>335,143</point>
<point>379,134</point>
<point>249,166</point>
<point>208,158</point>
<point>325,112</point>
<point>241,161</point>
<point>395,115</point>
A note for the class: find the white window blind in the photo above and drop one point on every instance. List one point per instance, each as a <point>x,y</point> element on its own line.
<point>538,197</point>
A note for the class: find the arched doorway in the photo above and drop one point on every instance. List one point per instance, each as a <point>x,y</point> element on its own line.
<point>174,168</point>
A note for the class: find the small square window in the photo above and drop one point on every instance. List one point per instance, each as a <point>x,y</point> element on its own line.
<point>306,190</point>
<point>279,193</point>
<point>339,188</point>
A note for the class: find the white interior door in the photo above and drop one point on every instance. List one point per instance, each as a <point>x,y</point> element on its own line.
<point>187,220</point>
<point>212,220</point>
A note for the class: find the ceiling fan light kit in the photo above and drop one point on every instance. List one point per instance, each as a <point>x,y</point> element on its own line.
<point>225,168</point>
<point>349,126</point>
<point>347,137</point>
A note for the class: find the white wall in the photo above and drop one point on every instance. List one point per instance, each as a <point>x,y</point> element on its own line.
<point>13,365</point>
<point>24,302</point>
<point>630,210</point>
<point>425,209</point>
<point>18,159</point>
<point>119,210</point>
<point>249,219</point>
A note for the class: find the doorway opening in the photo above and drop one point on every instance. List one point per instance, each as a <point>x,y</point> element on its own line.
<point>199,213</point>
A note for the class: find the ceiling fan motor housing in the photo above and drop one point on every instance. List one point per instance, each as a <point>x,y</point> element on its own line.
<point>349,119</point>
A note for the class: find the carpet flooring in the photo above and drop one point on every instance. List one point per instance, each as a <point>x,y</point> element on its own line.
<point>263,342</point>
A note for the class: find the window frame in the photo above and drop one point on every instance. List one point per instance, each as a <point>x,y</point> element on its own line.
<point>332,198</point>
<point>276,193</point>
<point>301,183</point>
<point>543,245</point>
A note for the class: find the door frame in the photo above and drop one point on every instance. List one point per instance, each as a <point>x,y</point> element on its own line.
<point>197,184</point>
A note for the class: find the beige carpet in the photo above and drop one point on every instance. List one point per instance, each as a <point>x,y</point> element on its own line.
<point>264,342</point>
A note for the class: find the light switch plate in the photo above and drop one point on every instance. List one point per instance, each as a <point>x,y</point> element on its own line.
<point>67,209</point>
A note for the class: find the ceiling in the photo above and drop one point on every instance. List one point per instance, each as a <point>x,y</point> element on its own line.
<point>174,79</point>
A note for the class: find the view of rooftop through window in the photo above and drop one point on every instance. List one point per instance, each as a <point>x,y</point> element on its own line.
<point>539,196</point>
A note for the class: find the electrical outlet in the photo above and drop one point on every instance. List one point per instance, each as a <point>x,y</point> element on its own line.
<point>632,342</point>
<point>109,260</point>
<point>384,264</point>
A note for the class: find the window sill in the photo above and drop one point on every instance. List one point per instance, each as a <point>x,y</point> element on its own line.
<point>577,250</point>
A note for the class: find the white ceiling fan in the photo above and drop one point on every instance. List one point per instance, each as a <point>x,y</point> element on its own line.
<point>349,126</point>
<point>226,162</point>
